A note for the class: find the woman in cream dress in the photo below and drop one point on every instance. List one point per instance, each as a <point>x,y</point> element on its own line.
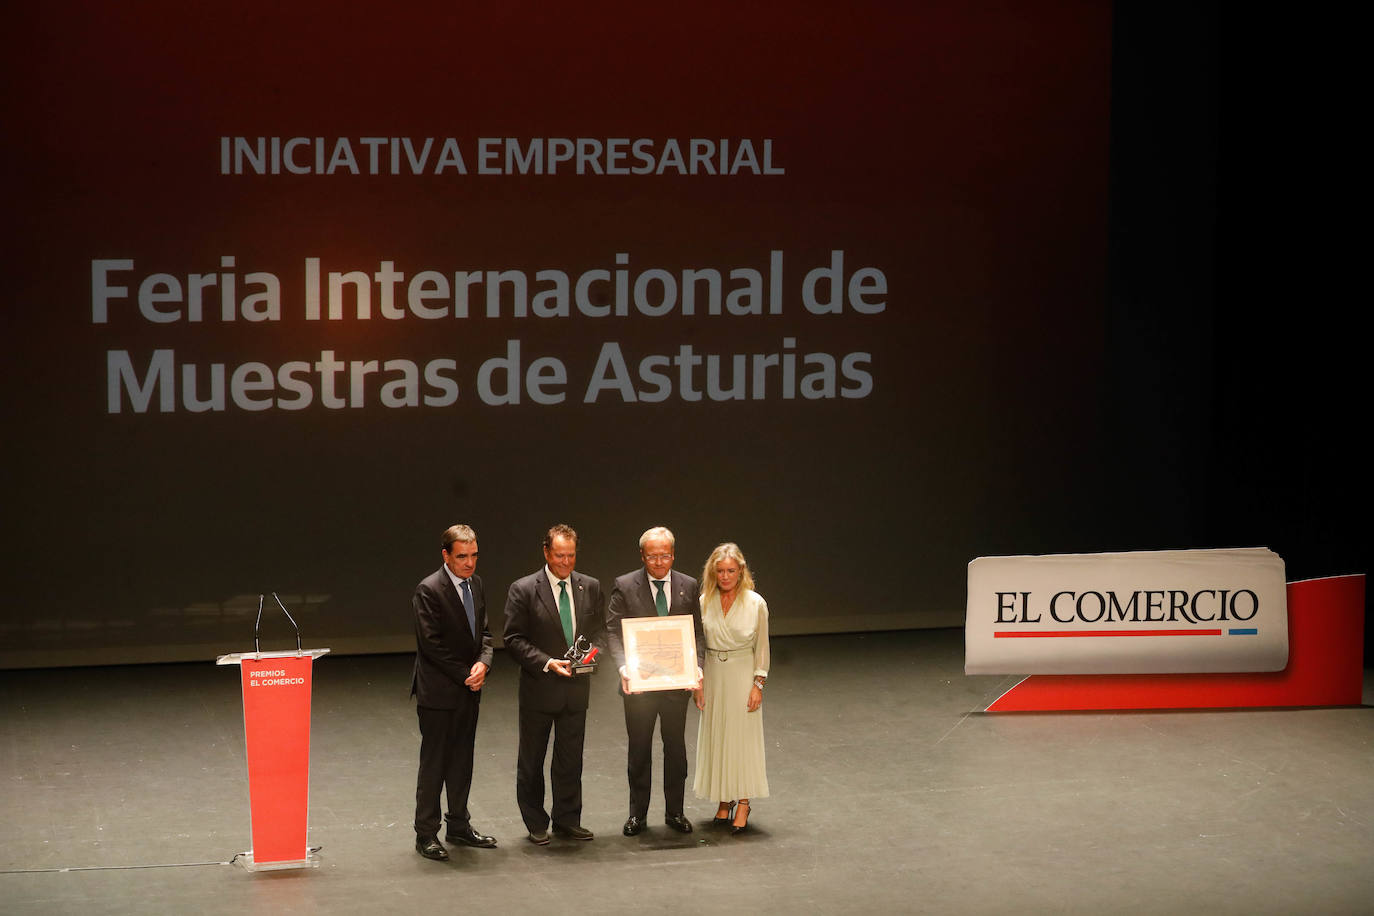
<point>730,763</point>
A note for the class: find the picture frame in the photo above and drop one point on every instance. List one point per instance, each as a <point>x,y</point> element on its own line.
<point>660,652</point>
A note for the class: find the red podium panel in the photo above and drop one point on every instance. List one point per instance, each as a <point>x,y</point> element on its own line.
<point>276,726</point>
<point>1325,667</point>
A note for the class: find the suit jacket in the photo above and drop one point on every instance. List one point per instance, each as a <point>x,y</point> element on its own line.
<point>633,596</point>
<point>445,647</point>
<point>534,634</point>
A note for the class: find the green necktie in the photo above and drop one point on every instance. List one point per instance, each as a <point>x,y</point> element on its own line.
<point>661,600</point>
<point>565,611</point>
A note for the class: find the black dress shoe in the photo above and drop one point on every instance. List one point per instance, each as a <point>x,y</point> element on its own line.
<point>539,839</point>
<point>471,837</point>
<point>679,823</point>
<point>634,826</point>
<point>572,833</point>
<point>431,848</point>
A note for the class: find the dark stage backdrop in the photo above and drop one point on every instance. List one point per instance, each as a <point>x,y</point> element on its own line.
<point>291,287</point>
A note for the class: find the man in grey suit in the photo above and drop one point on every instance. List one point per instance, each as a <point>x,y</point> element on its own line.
<point>655,590</point>
<point>546,613</point>
<point>453,655</point>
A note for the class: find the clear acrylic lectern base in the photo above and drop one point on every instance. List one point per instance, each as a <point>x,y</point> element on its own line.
<point>311,860</point>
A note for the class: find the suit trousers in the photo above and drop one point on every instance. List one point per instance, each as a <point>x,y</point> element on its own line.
<point>565,772</point>
<point>669,708</point>
<point>446,741</point>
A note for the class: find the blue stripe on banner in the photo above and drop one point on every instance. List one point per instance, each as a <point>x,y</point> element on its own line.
<point>1243,631</point>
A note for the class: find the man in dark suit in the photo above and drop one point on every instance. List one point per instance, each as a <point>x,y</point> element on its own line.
<point>453,655</point>
<point>545,614</point>
<point>655,590</point>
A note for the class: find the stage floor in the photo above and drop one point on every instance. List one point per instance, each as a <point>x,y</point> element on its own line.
<point>125,791</point>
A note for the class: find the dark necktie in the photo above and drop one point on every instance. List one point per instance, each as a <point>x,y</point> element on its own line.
<point>661,600</point>
<point>565,611</point>
<point>466,592</point>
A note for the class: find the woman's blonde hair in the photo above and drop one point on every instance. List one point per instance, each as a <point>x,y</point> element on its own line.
<point>726,551</point>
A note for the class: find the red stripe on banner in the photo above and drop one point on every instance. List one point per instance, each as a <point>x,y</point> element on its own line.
<point>276,726</point>
<point>1010,634</point>
<point>1325,667</point>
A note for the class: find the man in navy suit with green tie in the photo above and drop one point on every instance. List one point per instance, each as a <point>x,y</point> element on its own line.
<point>655,590</point>
<point>547,612</point>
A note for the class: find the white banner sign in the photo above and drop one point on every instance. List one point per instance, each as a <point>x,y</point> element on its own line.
<point>1144,612</point>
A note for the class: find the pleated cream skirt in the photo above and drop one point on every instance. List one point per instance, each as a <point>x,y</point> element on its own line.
<point>730,762</point>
